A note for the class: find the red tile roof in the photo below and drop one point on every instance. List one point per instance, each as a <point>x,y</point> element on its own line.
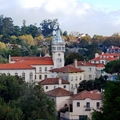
<point>100,65</point>
<point>84,63</point>
<point>93,95</point>
<point>58,92</point>
<point>12,66</point>
<point>67,69</point>
<point>38,62</point>
<point>107,57</point>
<point>51,81</point>
<point>33,60</point>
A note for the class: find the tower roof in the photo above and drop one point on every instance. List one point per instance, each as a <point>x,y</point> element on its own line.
<point>57,38</point>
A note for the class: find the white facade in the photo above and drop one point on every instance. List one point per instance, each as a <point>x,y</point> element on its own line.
<point>84,108</point>
<point>27,74</point>
<point>89,72</point>
<point>61,101</point>
<point>73,78</point>
<point>42,72</point>
<point>51,87</point>
<point>83,105</point>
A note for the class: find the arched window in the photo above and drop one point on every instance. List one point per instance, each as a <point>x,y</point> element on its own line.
<point>8,74</point>
<point>31,76</point>
<point>23,76</point>
<point>16,74</point>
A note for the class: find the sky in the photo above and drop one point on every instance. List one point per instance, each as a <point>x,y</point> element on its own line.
<point>92,17</point>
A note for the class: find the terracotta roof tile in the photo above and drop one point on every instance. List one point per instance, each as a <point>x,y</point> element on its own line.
<point>51,81</point>
<point>93,95</point>
<point>67,69</point>
<point>33,60</point>
<point>84,63</point>
<point>58,92</point>
<point>15,66</point>
<point>100,65</point>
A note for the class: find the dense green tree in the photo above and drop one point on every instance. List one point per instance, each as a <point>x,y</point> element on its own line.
<point>83,43</point>
<point>98,38</point>
<point>7,27</point>
<point>113,67</point>
<point>47,27</point>
<point>91,50</point>
<point>23,28</point>
<point>65,33</point>
<point>23,101</point>
<point>70,58</point>
<point>98,83</point>
<point>111,100</point>
<point>15,51</point>
<point>112,41</point>
<point>33,30</point>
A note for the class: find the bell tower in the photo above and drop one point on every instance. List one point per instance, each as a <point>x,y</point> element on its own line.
<point>58,49</point>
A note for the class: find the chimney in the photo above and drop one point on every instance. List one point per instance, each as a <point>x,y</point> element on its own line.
<point>75,91</point>
<point>75,63</point>
<point>60,81</point>
<point>96,55</point>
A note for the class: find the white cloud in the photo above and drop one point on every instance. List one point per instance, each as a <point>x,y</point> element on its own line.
<point>73,15</point>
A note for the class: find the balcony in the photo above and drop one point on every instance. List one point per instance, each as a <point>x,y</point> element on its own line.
<point>87,109</point>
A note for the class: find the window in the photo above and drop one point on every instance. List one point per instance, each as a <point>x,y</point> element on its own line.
<point>78,104</point>
<point>76,85</point>
<point>58,48</point>
<point>97,105</point>
<point>63,48</point>
<point>53,48</point>
<point>45,76</point>
<point>71,78</point>
<point>88,105</point>
<point>16,74</point>
<point>40,69</point>
<point>102,71</point>
<point>40,76</point>
<point>31,76</point>
<point>64,86</point>
<point>90,69</point>
<point>80,78</point>
<point>90,76</point>
<point>76,77</point>
<point>45,68</point>
<point>60,60</point>
<point>35,76</point>
<point>23,76</point>
<point>71,85</point>
<point>54,87</point>
<point>46,87</point>
<point>8,74</point>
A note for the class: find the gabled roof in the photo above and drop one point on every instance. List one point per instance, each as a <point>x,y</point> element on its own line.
<point>93,95</point>
<point>67,69</point>
<point>52,81</point>
<point>84,63</point>
<point>33,60</point>
<point>11,66</point>
<point>58,92</point>
<point>107,57</point>
<point>100,65</point>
